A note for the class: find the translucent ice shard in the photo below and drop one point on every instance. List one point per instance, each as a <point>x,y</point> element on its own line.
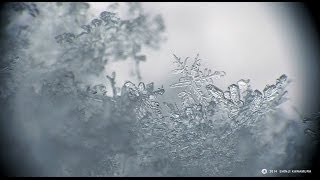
<point>244,88</point>
<point>234,93</point>
<point>180,84</point>
<point>257,100</point>
<point>270,92</point>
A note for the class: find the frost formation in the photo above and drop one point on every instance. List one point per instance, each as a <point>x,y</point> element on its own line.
<point>134,131</point>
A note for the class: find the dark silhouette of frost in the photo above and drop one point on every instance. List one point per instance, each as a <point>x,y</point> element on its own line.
<point>109,38</point>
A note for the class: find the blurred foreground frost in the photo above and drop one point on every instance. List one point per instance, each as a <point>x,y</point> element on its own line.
<point>73,128</point>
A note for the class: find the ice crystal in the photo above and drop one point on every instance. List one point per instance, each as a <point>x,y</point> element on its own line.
<point>195,135</point>
<point>200,129</point>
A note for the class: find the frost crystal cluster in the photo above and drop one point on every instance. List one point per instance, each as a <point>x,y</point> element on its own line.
<point>109,38</point>
<point>74,127</point>
<point>197,135</point>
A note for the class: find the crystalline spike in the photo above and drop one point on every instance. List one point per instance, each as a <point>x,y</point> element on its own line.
<point>281,82</point>
<point>270,92</point>
<point>185,79</point>
<point>257,100</point>
<point>244,88</point>
<point>283,77</point>
<point>234,93</point>
<point>181,84</point>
